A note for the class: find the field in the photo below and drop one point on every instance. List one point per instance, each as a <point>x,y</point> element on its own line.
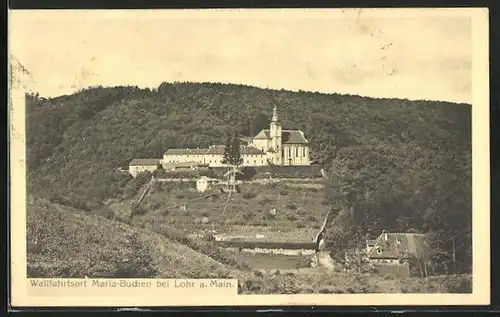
<point>299,211</point>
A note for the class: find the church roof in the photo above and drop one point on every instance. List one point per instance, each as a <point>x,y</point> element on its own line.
<point>293,137</point>
<point>287,136</point>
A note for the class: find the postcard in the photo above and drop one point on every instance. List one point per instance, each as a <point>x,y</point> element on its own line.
<point>249,157</point>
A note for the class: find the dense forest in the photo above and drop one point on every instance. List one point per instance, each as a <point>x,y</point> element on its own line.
<point>393,164</point>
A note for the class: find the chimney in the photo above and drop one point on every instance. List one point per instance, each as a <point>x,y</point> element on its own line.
<point>385,235</point>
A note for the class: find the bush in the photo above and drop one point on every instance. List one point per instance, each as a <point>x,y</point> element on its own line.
<point>291,206</point>
<point>265,200</point>
<point>180,195</point>
<point>270,216</point>
<point>249,195</point>
<point>248,173</point>
<point>291,217</point>
<point>311,218</point>
<point>248,215</point>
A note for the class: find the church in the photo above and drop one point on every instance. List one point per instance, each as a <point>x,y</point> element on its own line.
<point>273,146</point>
<point>283,147</point>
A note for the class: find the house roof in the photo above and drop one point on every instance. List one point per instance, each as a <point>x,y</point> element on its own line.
<point>244,150</point>
<point>144,162</point>
<point>397,243</point>
<point>287,136</point>
<point>183,164</point>
<point>186,151</point>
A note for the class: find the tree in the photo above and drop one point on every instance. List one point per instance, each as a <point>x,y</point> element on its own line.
<point>232,157</point>
<point>235,151</point>
<point>226,159</point>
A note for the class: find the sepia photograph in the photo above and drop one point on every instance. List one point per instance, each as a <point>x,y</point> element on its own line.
<point>265,152</point>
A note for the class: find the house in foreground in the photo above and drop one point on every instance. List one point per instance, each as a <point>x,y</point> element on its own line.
<point>402,254</point>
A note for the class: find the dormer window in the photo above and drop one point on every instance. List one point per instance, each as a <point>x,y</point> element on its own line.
<point>379,251</point>
<point>397,241</point>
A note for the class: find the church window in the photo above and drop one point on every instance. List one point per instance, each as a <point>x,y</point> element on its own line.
<point>303,152</point>
<point>289,152</point>
<point>297,151</point>
<point>283,153</point>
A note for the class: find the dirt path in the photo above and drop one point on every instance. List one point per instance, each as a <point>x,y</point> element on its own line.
<point>325,260</point>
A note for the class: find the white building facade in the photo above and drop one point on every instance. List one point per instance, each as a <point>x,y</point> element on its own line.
<point>143,165</point>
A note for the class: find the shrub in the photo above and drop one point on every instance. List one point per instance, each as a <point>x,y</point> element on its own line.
<point>456,283</point>
<point>269,216</point>
<point>291,205</point>
<point>291,217</point>
<point>248,215</point>
<point>311,218</point>
<point>180,195</point>
<point>249,195</point>
<point>123,212</point>
<point>248,173</point>
<point>265,201</point>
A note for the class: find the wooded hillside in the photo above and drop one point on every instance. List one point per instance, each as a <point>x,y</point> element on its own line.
<point>394,164</point>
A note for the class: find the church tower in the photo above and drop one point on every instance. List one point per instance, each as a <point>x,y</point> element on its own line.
<point>275,135</point>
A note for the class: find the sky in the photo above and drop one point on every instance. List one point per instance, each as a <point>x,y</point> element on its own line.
<point>383,54</point>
